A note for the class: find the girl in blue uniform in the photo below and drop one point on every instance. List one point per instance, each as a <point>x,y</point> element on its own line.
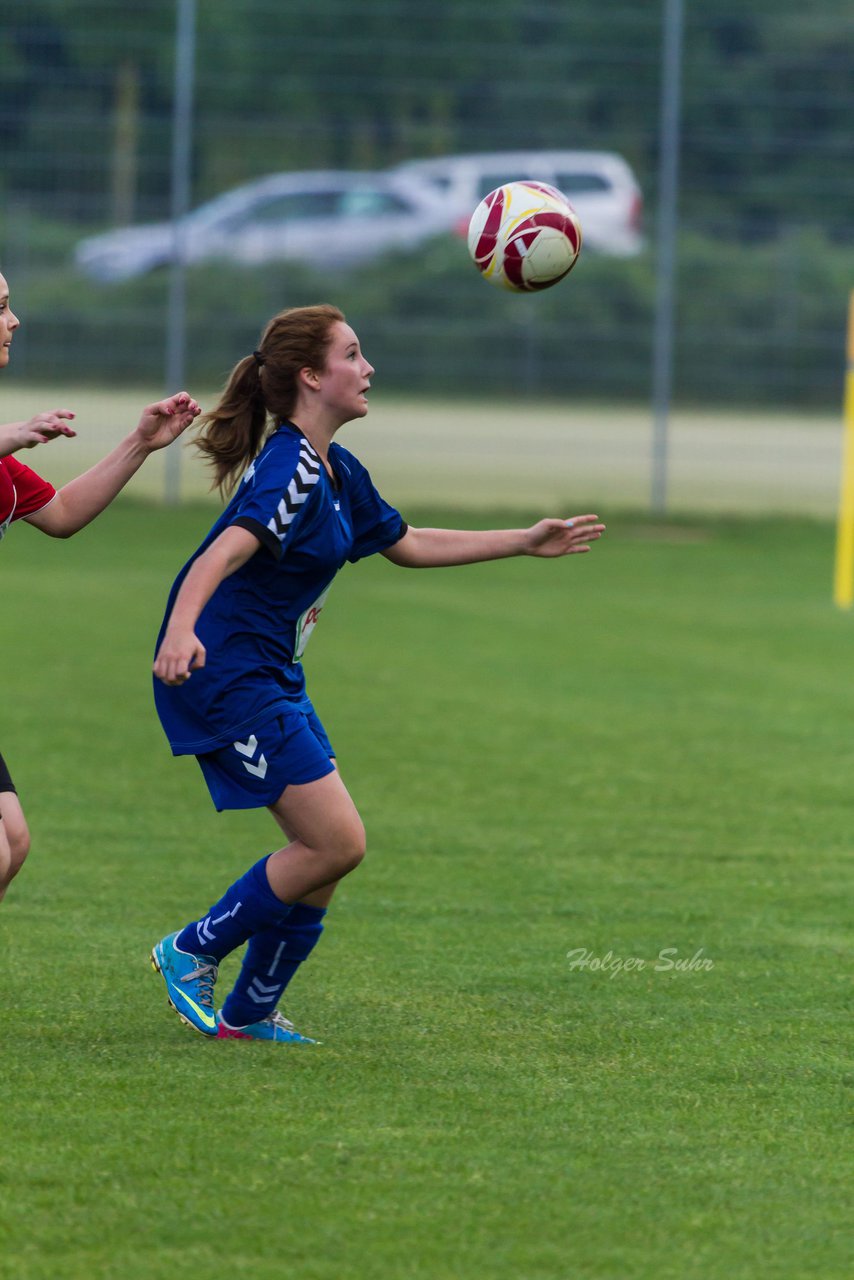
<point>229,685</point>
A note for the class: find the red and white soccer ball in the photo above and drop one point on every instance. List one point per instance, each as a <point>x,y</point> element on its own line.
<point>524,236</point>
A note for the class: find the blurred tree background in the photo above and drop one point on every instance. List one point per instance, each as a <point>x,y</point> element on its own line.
<point>766,245</point>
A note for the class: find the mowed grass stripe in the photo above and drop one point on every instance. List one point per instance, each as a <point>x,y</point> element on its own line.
<point>475,453</point>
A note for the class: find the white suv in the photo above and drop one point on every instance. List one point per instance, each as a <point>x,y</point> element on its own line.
<point>599,185</point>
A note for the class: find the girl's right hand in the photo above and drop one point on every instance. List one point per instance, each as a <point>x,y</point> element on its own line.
<point>178,657</point>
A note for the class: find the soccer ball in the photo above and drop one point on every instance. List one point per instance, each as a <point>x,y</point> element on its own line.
<point>524,236</point>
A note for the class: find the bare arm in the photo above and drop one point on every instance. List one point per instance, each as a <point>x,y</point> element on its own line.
<point>38,430</point>
<point>435,548</point>
<point>181,652</point>
<point>82,499</point>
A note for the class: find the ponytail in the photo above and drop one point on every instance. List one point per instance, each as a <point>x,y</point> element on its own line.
<point>231,434</point>
<point>263,385</point>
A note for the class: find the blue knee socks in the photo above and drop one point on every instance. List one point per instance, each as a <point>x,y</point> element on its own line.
<point>248,907</point>
<point>272,958</point>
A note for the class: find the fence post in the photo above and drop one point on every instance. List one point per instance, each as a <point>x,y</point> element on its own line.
<point>182,136</point>
<point>668,178</point>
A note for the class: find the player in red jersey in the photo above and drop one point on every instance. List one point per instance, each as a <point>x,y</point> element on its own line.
<point>25,495</point>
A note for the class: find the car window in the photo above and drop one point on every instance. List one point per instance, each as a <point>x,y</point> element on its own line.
<point>488,182</point>
<point>296,204</point>
<point>572,182</point>
<point>575,183</point>
<point>365,202</point>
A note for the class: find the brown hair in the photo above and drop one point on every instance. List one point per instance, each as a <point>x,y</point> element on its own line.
<point>262,386</point>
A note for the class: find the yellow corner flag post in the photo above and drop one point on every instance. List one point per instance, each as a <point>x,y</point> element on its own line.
<point>843,581</point>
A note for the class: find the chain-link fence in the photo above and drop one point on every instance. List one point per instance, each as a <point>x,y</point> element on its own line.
<point>764,245</point>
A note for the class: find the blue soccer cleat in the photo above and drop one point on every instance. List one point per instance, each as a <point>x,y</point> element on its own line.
<point>189,984</point>
<point>274,1027</point>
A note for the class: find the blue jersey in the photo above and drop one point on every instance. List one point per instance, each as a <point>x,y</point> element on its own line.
<point>256,624</point>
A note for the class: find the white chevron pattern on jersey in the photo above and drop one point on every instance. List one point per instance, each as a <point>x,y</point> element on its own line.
<point>303,481</point>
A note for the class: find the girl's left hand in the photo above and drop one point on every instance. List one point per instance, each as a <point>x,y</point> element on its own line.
<point>563,537</point>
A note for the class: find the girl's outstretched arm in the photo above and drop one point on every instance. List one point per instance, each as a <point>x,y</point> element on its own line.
<point>435,548</point>
<point>82,499</point>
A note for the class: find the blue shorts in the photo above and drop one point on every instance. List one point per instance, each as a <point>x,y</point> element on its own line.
<point>253,773</point>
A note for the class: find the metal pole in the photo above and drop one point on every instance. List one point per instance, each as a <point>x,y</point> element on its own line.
<point>668,190</point>
<point>182,138</point>
<point>843,577</point>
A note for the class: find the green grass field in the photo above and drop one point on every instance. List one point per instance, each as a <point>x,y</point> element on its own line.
<point>649,748</point>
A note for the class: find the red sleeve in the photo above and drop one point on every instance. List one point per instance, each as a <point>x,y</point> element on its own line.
<point>31,491</point>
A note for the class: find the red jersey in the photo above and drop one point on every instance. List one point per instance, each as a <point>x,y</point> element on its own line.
<point>22,492</point>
